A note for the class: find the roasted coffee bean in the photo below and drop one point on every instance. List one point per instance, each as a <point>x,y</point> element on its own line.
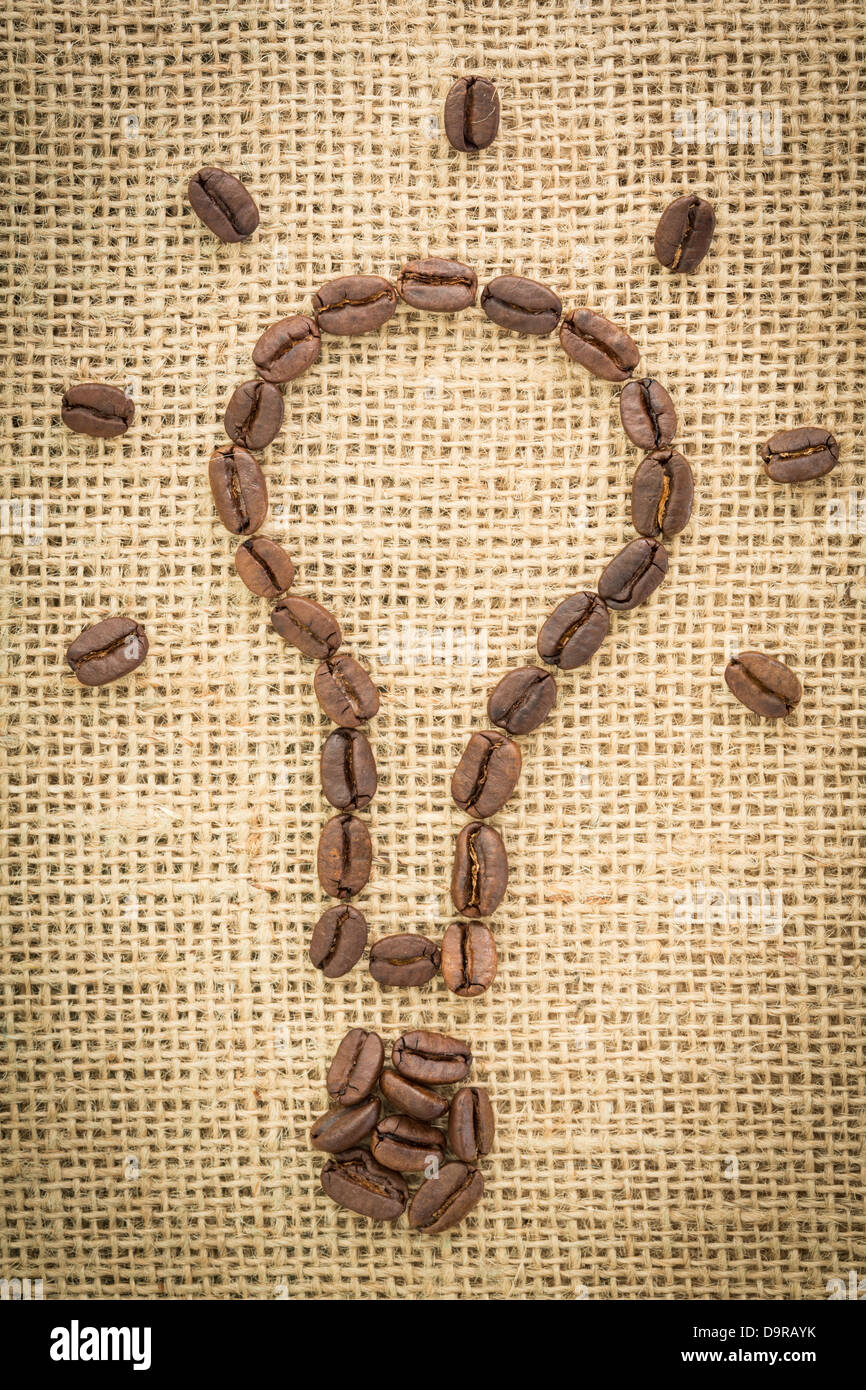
<point>431,1058</point>
<point>633,574</point>
<point>345,1127</point>
<point>404,960</point>
<point>597,344</point>
<point>100,411</point>
<point>521,305</point>
<point>487,774</point>
<point>797,456</point>
<point>107,650</point>
<point>411,1097</point>
<point>354,304</point>
<point>575,630</point>
<point>472,114</point>
<point>440,287</point>
<point>662,494</point>
<point>443,1201</point>
<point>405,1144</point>
<point>480,874</point>
<point>239,490</point>
<point>356,1181</point>
<point>348,770</point>
<point>307,625</point>
<point>647,414</point>
<point>345,691</point>
<point>763,685</point>
<point>468,958</point>
<point>356,1067</point>
<point>223,204</point>
<point>684,232</point>
<point>344,857</point>
<point>264,566</point>
<point>338,941</point>
<point>522,700</point>
<point>288,348</point>
<point>471,1124</point>
<point>254,414</point>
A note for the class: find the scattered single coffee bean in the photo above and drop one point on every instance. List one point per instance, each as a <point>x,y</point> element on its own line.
<point>647,414</point>
<point>633,574</point>
<point>480,874</point>
<point>264,566</point>
<point>107,650</point>
<point>471,1124</point>
<point>522,305</point>
<point>307,625</point>
<point>662,493</point>
<point>338,941</point>
<point>288,348</point>
<point>254,414</point>
<point>440,287</point>
<point>405,1144</point>
<point>411,1097</point>
<point>344,857</point>
<point>223,204</point>
<point>575,630</point>
<point>103,412</point>
<point>345,1127</point>
<point>443,1201</point>
<point>472,114</point>
<point>348,770</point>
<point>345,691</point>
<point>354,304</point>
<point>797,456</point>
<point>487,774</point>
<point>597,344</point>
<point>356,1066</point>
<point>684,233</point>
<point>239,490</point>
<point>404,959</point>
<point>522,700</point>
<point>468,958</point>
<point>356,1181</point>
<point>431,1058</point>
<point>764,685</point>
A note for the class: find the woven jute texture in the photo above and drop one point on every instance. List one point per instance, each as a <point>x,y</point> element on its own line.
<point>673,1043</point>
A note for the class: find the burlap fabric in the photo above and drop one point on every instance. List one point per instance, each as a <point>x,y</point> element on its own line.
<point>674,1037</point>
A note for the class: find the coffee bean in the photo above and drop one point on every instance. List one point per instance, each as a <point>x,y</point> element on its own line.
<point>404,960</point>
<point>432,1058</point>
<point>344,857</point>
<point>684,232</point>
<point>100,411</point>
<point>633,574</point>
<point>440,287</point>
<point>345,691</point>
<point>223,204</point>
<point>354,304</point>
<point>254,414</point>
<point>763,685</point>
<point>487,774</point>
<point>443,1201</point>
<point>575,630</point>
<point>356,1181</point>
<point>471,1124</point>
<point>411,1097</point>
<point>356,1067</point>
<point>107,650</point>
<point>522,700</point>
<point>239,490</point>
<point>472,114</point>
<point>661,494</point>
<point>264,566</point>
<point>288,348</point>
<point>480,874</point>
<point>797,456</point>
<point>647,414</point>
<point>338,941</point>
<point>405,1144</point>
<point>348,770</point>
<point>521,305</point>
<point>307,625</point>
<point>345,1127</point>
<point>468,958</point>
<point>605,350</point>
